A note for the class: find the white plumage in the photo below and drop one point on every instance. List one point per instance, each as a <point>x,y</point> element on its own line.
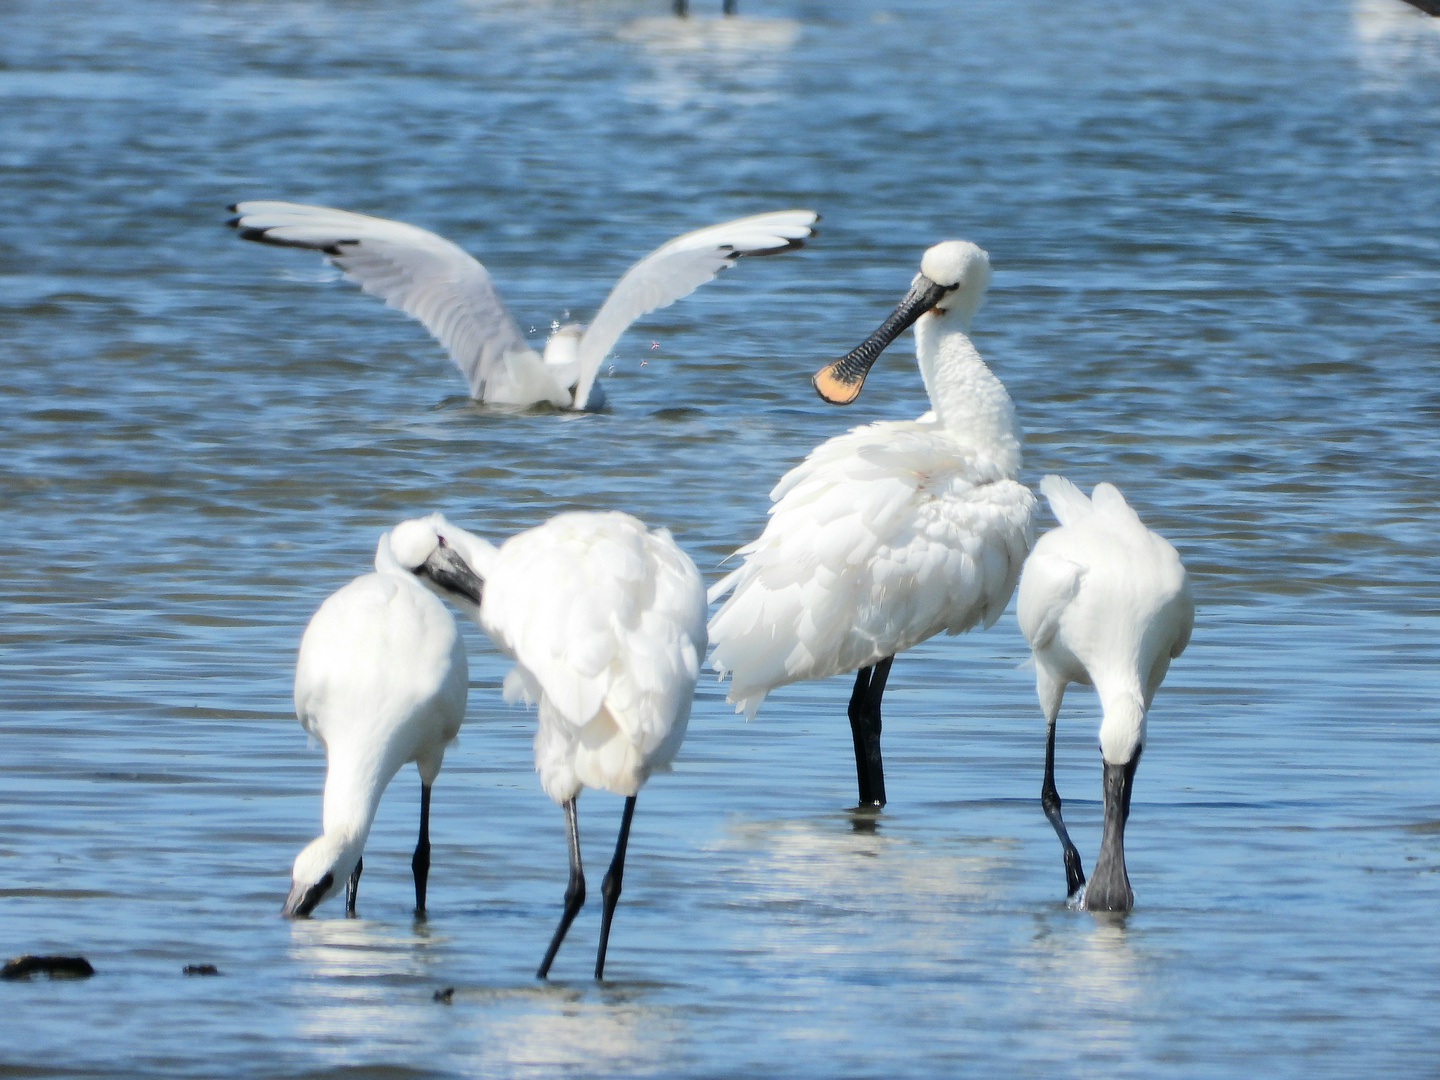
<point>606,624</point>
<point>433,280</point>
<point>890,533</point>
<point>1104,602</point>
<point>380,681</point>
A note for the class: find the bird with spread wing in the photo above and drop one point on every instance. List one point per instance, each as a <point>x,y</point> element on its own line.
<point>434,281</point>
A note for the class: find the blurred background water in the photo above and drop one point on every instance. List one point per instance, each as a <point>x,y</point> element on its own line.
<point>1214,229</point>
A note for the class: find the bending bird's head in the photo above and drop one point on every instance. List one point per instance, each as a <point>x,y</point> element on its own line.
<point>419,546</point>
<point>322,867</point>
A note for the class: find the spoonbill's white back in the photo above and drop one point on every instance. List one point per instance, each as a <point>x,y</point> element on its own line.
<point>890,533</point>
<point>380,681</point>
<point>1105,602</point>
<point>429,278</point>
<point>606,624</point>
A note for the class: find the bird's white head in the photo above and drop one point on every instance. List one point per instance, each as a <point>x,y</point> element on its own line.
<point>953,278</point>
<point>963,269</point>
<point>419,546</point>
<point>322,867</point>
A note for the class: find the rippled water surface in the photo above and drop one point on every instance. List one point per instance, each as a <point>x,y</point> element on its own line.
<point>1214,228</point>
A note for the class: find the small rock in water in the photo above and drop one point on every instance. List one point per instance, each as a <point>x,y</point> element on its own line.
<point>57,967</point>
<point>201,969</point>
<point>444,996</point>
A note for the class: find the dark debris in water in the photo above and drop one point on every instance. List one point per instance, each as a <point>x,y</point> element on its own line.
<point>57,967</point>
<point>201,969</point>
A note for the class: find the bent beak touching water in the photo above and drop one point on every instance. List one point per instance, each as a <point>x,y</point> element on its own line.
<point>839,382</point>
<point>303,899</point>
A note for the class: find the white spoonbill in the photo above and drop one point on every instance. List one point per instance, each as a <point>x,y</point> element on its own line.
<point>889,533</point>
<point>606,624</point>
<point>1105,602</point>
<point>380,681</point>
<point>429,278</point>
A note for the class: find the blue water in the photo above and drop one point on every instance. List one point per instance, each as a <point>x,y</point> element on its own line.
<point>1214,230</point>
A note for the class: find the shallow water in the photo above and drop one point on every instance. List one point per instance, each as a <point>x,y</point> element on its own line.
<point>1214,234</point>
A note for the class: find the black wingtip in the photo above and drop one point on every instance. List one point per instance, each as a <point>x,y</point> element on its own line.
<point>789,245</point>
<point>234,208</point>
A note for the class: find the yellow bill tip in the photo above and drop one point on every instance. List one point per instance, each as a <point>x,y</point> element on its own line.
<point>835,389</point>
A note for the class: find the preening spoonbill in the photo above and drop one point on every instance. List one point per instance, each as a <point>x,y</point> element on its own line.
<point>1106,602</point>
<point>381,680</point>
<point>429,278</point>
<point>606,624</point>
<point>889,533</point>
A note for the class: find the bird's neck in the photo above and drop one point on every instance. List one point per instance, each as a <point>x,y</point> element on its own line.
<point>355,778</point>
<point>969,401</point>
<point>1122,727</point>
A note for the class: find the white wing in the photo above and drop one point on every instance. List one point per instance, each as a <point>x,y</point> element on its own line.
<point>677,269</point>
<point>424,275</point>
<point>1047,585</point>
<point>881,538</point>
<point>600,613</point>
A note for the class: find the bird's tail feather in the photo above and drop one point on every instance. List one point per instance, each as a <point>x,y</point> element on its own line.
<point>1067,502</point>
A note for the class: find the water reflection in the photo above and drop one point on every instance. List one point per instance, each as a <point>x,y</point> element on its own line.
<point>1395,41</point>
<point>335,948</point>
<point>710,62</point>
<point>821,888</point>
<point>1090,960</point>
<point>540,1032</point>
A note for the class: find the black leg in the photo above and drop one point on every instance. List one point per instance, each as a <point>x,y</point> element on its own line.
<point>1109,888</point>
<point>728,7</point>
<point>610,887</point>
<point>865,730</point>
<point>682,8</point>
<point>352,888</point>
<point>1050,803</point>
<point>878,679</point>
<point>420,864</point>
<point>859,734</point>
<point>574,892</point>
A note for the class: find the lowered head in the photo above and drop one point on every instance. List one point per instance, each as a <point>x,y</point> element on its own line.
<point>322,867</point>
<point>419,546</point>
<point>954,275</point>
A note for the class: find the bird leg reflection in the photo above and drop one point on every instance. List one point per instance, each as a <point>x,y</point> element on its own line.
<point>610,887</point>
<point>420,863</point>
<point>865,730</point>
<point>352,889</point>
<point>574,892</point>
<point>1050,803</point>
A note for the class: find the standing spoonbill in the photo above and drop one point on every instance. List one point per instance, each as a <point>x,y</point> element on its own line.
<point>381,680</point>
<point>606,624</point>
<point>1105,602</point>
<point>890,533</point>
<point>429,278</point>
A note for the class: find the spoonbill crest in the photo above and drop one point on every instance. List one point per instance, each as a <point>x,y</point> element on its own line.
<point>606,624</point>
<point>429,278</point>
<point>380,681</point>
<point>890,533</point>
<point>1105,602</point>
